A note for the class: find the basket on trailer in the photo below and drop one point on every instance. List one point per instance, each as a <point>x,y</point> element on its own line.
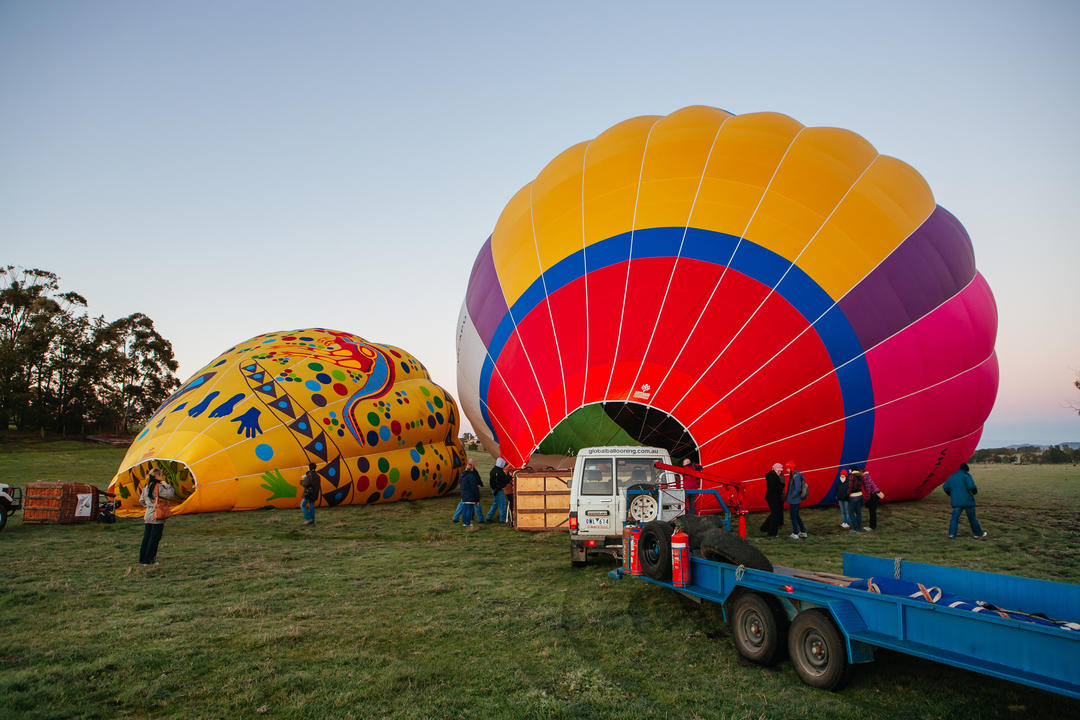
<point>59,503</point>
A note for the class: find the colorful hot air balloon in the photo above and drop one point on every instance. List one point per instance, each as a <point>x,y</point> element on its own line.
<point>739,288</point>
<point>240,433</point>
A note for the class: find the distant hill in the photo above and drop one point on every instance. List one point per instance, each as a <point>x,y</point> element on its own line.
<point>1070,445</point>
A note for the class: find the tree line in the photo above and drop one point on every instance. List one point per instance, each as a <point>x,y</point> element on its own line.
<point>63,371</point>
<point>1028,455</point>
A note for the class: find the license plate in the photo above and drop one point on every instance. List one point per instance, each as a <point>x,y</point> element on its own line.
<point>597,522</point>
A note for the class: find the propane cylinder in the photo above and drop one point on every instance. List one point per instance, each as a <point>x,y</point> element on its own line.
<point>680,559</point>
<point>635,560</point>
<point>626,548</point>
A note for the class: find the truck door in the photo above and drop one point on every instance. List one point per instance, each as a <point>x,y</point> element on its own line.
<point>596,498</point>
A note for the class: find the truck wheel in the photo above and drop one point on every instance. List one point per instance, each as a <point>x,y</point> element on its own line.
<point>654,550</point>
<point>722,546</point>
<point>757,627</point>
<point>3,515</point>
<point>817,650</point>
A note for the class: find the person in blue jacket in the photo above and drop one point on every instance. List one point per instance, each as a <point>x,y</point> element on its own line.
<point>960,487</point>
<point>794,499</point>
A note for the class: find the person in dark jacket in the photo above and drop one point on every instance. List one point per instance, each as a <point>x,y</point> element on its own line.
<point>960,487</point>
<point>470,495</point>
<point>498,480</point>
<point>855,498</point>
<point>774,496</point>
<point>311,484</point>
<point>843,494</point>
<point>794,499</point>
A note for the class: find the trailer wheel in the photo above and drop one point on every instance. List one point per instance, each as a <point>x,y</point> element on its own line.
<point>654,550</point>
<point>3,514</point>
<point>817,650</point>
<point>722,546</point>
<point>757,628</point>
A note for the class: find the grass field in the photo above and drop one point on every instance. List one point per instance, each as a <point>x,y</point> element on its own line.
<point>393,611</point>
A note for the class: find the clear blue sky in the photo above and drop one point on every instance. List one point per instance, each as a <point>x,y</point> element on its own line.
<point>230,168</point>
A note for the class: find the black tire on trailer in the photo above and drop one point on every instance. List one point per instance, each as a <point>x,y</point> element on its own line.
<point>654,550</point>
<point>817,650</point>
<point>722,546</point>
<point>3,514</point>
<point>758,627</point>
<point>695,527</point>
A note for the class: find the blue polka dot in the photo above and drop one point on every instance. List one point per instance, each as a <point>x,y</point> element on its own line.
<point>415,473</point>
<point>404,367</point>
<point>388,491</point>
<point>333,414</point>
<point>384,432</point>
<point>264,452</point>
<point>331,472</point>
<point>313,386</point>
<point>318,446</point>
<point>283,404</point>
<point>430,407</point>
<point>302,426</point>
<point>438,418</point>
<point>372,437</point>
<point>323,378</point>
<point>306,339</point>
<point>414,455</point>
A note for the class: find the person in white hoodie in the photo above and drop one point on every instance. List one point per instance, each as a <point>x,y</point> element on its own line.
<point>154,493</point>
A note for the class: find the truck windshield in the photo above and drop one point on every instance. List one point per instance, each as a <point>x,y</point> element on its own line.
<point>636,471</point>
<point>596,477</point>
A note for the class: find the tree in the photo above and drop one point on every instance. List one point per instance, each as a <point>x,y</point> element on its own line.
<point>141,366</point>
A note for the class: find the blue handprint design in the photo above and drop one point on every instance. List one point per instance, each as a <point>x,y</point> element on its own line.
<point>249,423</point>
<point>226,407</point>
<point>201,407</point>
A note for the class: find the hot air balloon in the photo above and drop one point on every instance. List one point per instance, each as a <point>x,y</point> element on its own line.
<point>739,289</point>
<point>239,434</point>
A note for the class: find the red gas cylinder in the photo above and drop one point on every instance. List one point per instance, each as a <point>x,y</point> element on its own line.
<point>680,559</point>
<point>626,548</point>
<point>635,561</point>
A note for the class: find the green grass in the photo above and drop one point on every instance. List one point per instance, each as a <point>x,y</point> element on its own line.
<point>392,611</point>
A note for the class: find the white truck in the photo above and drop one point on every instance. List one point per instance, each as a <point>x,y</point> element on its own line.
<point>613,486</point>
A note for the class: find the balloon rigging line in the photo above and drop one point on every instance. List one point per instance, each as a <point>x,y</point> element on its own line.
<point>524,417</point>
<point>826,312</point>
<point>723,273</point>
<point>504,433</point>
<point>630,257</point>
<point>547,300</point>
<point>217,380</point>
<point>772,290</point>
<point>835,369</point>
<point>852,415</point>
<point>525,352</point>
<point>675,267</point>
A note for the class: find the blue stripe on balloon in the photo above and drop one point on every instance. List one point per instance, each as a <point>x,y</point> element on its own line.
<point>752,260</point>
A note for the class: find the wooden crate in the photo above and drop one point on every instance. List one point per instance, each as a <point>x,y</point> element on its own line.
<point>51,503</point>
<point>542,500</point>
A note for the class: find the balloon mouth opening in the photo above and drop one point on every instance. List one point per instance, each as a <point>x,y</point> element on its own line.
<point>128,484</point>
<point>619,423</point>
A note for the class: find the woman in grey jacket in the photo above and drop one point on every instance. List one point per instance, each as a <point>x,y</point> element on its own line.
<point>156,490</point>
<point>794,498</point>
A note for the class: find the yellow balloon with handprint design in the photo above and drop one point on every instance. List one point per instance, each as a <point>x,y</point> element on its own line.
<point>241,432</point>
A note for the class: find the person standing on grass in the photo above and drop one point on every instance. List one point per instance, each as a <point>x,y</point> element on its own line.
<point>795,492</point>
<point>470,495</point>
<point>498,480</point>
<point>843,496</point>
<point>960,487</point>
<point>311,484</point>
<point>690,483</point>
<point>871,494</point>
<point>774,496</point>
<point>855,498</point>
<point>153,497</point>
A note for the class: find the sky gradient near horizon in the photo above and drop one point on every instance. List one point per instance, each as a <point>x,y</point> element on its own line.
<point>235,168</point>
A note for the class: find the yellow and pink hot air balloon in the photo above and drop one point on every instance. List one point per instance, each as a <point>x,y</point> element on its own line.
<point>240,433</point>
<point>738,288</point>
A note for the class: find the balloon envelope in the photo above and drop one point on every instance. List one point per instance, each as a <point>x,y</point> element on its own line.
<point>240,433</point>
<point>739,289</point>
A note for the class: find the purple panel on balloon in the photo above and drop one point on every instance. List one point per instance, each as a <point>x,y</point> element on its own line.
<point>484,299</point>
<point>932,265</point>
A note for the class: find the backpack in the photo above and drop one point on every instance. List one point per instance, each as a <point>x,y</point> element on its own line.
<point>804,489</point>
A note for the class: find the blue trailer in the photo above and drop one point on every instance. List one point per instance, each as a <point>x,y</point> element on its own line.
<point>830,626</point>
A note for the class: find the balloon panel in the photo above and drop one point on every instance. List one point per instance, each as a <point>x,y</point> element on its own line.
<point>240,433</point>
<point>736,287</point>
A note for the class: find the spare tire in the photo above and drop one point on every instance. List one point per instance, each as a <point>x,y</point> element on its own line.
<point>654,550</point>
<point>695,527</point>
<point>722,546</point>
